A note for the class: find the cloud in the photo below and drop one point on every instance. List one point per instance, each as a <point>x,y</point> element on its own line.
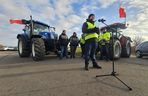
<point>106,3</point>
<point>137,18</point>
<point>67,14</point>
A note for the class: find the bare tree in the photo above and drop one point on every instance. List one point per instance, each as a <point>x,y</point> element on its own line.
<point>1,46</point>
<point>137,40</point>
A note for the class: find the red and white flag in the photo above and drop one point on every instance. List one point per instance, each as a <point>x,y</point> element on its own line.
<point>122,13</point>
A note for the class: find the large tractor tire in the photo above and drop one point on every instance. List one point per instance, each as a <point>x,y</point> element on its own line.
<point>126,50</point>
<point>23,49</point>
<point>38,49</point>
<point>117,50</point>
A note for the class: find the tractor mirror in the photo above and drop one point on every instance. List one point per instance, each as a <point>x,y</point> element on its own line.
<point>24,30</point>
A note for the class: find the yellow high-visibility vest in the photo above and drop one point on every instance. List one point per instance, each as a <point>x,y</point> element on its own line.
<point>82,41</point>
<point>105,36</point>
<point>91,35</point>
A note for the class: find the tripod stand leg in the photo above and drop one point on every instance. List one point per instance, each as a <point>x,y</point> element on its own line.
<point>124,83</point>
<point>112,74</point>
<point>103,75</point>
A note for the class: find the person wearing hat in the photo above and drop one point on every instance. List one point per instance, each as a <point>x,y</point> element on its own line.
<point>74,41</point>
<point>91,41</point>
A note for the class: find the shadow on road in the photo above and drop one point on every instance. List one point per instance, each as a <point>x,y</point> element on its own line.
<point>109,83</point>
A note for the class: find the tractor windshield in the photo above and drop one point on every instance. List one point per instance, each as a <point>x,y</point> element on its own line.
<point>40,28</point>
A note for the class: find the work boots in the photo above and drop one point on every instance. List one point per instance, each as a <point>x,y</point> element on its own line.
<point>95,65</point>
<point>86,66</point>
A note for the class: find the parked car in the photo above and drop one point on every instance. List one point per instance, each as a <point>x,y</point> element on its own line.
<point>9,48</point>
<point>142,50</point>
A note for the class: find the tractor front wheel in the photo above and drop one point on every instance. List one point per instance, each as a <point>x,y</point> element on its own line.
<point>23,49</point>
<point>117,50</point>
<point>126,50</point>
<point>38,49</point>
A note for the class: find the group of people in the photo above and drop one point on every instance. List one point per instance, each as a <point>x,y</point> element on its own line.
<point>64,41</point>
<point>90,41</point>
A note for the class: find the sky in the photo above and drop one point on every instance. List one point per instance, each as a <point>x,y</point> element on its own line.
<point>70,15</point>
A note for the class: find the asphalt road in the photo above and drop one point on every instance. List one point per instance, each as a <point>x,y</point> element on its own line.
<point>54,77</point>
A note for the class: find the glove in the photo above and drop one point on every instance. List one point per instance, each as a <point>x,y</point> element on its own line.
<point>96,29</point>
<point>104,40</point>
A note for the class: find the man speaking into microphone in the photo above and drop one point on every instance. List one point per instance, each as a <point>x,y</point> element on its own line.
<point>90,32</point>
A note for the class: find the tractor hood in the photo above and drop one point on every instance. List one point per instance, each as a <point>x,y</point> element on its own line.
<point>115,26</point>
<point>48,35</point>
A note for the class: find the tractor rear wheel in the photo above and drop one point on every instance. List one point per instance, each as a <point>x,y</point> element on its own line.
<point>126,50</point>
<point>23,50</point>
<point>117,50</point>
<point>38,49</point>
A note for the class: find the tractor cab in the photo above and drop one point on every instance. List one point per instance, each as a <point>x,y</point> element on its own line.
<point>115,29</point>
<point>39,28</point>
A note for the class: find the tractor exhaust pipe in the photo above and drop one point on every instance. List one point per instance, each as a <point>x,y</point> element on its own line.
<point>31,25</point>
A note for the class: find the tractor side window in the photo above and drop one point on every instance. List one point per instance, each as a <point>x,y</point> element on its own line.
<point>40,28</point>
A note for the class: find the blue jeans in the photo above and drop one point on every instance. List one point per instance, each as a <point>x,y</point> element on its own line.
<point>90,50</point>
<point>63,51</point>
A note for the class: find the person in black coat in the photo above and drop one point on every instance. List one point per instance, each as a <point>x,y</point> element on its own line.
<point>63,42</point>
<point>74,41</point>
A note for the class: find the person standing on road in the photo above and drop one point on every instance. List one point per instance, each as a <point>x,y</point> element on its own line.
<point>74,42</point>
<point>91,43</point>
<point>63,41</point>
<point>104,40</point>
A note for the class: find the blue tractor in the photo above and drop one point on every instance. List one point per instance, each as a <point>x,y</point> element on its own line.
<point>38,40</point>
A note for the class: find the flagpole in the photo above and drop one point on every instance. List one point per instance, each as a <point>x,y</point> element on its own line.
<point>125,20</point>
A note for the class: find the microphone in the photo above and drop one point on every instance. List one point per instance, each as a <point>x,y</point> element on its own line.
<point>101,20</point>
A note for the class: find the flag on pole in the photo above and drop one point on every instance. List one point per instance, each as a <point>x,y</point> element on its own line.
<point>15,21</point>
<point>122,13</point>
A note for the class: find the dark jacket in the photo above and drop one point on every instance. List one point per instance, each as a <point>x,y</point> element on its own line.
<point>85,26</point>
<point>63,40</point>
<point>74,41</point>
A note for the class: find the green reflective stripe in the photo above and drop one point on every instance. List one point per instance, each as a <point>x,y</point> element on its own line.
<point>91,35</point>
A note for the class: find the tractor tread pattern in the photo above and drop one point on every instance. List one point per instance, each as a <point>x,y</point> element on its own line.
<point>25,49</point>
<point>39,49</point>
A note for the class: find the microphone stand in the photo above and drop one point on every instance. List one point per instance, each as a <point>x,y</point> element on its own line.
<point>113,73</point>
